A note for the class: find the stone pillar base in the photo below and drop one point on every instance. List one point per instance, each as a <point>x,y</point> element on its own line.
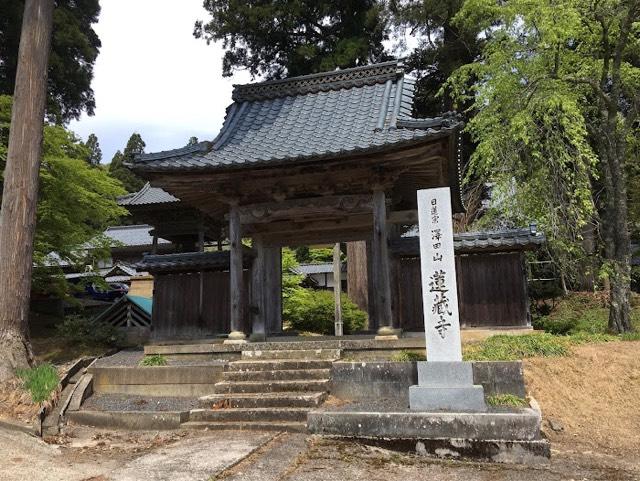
<point>386,333</point>
<point>446,386</point>
<point>236,337</point>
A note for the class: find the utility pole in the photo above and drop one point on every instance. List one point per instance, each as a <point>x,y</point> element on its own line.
<point>337,288</point>
<point>20,195</point>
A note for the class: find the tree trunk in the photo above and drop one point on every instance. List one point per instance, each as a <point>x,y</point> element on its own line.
<point>18,214</point>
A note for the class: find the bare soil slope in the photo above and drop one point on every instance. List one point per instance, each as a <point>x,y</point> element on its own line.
<point>594,394</point>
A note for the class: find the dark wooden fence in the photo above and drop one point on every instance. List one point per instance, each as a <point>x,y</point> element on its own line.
<point>193,304</point>
<point>492,291</point>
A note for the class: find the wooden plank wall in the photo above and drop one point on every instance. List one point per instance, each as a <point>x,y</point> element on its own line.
<point>492,291</point>
<point>176,305</point>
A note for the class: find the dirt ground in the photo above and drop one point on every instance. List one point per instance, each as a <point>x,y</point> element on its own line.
<point>594,395</point>
<point>590,399</point>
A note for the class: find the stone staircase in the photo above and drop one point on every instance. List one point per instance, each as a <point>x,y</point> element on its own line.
<point>267,390</point>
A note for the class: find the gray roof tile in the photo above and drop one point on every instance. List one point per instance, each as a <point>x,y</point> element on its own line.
<point>311,117</point>
<point>132,235</point>
<point>146,196</point>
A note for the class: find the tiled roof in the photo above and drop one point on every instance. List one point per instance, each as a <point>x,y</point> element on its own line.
<point>132,235</point>
<point>326,268</point>
<point>364,109</point>
<point>190,261</point>
<point>487,241</point>
<point>146,196</point>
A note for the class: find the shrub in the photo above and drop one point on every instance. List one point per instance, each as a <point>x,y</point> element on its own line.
<point>313,311</point>
<point>408,356</point>
<point>506,400</point>
<point>511,348</point>
<point>555,326</point>
<point>80,330</point>
<point>40,381</point>
<point>154,360</point>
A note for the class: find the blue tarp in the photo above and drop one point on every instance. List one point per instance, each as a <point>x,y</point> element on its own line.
<point>144,303</point>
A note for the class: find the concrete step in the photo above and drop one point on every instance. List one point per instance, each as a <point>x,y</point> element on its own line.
<point>278,364</point>
<point>271,386</point>
<point>293,427</point>
<point>249,415</point>
<point>263,400</point>
<point>279,375</point>
<point>310,354</point>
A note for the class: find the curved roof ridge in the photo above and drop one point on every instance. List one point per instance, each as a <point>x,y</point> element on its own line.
<point>319,82</point>
<point>203,147</point>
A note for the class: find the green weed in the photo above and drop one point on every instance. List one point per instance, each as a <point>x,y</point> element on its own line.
<point>408,356</point>
<point>40,381</point>
<point>511,348</point>
<point>154,360</point>
<point>506,400</point>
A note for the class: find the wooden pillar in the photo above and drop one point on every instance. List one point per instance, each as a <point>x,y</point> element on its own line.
<point>272,295</point>
<point>357,288</point>
<point>371,301</point>
<point>337,289</point>
<point>154,244</point>
<point>380,262</point>
<point>258,328</point>
<point>235,274</point>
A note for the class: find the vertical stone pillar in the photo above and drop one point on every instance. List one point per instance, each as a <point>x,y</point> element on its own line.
<point>380,266</point>
<point>235,276</point>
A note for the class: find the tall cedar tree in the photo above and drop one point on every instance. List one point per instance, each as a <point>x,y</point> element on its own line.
<point>74,49</point>
<point>288,38</point>
<point>117,169</point>
<point>20,192</point>
<point>94,154</point>
<point>442,47</point>
<point>556,92</point>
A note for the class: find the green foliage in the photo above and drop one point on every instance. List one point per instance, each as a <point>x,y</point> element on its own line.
<point>117,169</point>
<point>280,37</point>
<point>154,360</point>
<point>313,311</point>
<point>40,381</point>
<point>408,356</point>
<point>630,336</point>
<point>76,202</point>
<point>74,49</point>
<point>79,330</point>
<point>506,400</point>
<point>510,348</point>
<point>442,47</point>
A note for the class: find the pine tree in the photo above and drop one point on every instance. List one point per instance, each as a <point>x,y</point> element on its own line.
<point>95,153</point>
<point>117,169</point>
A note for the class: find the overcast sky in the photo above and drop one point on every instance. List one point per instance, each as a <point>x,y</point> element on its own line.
<point>153,77</point>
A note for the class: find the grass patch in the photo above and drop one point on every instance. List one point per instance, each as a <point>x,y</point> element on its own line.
<point>630,336</point>
<point>506,400</point>
<point>154,360</point>
<point>408,356</point>
<point>40,381</point>
<point>512,348</point>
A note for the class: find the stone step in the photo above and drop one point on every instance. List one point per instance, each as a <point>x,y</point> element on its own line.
<point>263,400</point>
<point>249,415</point>
<point>271,386</point>
<point>280,375</point>
<point>310,354</point>
<point>278,364</point>
<point>293,427</point>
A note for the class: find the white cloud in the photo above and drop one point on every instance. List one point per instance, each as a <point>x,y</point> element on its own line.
<point>153,77</point>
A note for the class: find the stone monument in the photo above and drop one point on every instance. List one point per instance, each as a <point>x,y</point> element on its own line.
<point>445,382</point>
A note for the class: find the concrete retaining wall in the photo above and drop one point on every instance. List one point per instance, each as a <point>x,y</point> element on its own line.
<point>373,380</point>
<point>186,381</point>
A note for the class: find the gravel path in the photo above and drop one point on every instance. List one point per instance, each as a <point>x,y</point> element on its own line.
<point>119,402</point>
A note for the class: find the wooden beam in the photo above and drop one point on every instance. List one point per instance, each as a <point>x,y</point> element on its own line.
<point>380,261</point>
<point>292,227</point>
<point>235,270</point>
<point>403,217</point>
<point>316,208</point>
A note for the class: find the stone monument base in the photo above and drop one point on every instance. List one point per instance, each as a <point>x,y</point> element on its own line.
<point>446,386</point>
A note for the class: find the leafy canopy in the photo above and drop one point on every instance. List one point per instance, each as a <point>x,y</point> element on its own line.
<point>282,37</point>
<point>76,201</point>
<point>74,49</point>
<point>543,68</point>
